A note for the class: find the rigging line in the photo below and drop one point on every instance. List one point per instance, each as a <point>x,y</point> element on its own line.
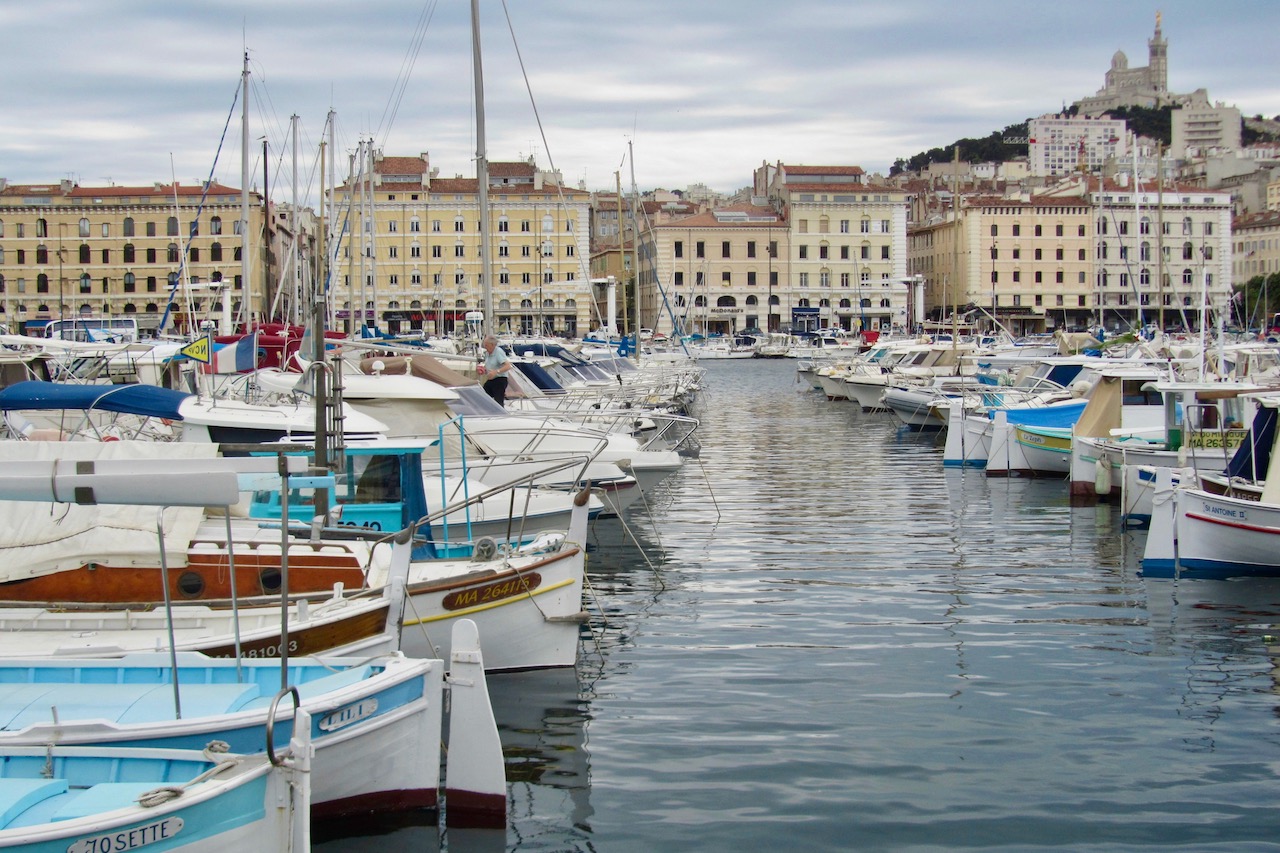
<point>267,114</point>
<point>1133,280</point>
<point>392,108</point>
<point>584,259</point>
<point>182,259</point>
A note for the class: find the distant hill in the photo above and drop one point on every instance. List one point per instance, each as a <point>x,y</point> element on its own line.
<point>1152,123</point>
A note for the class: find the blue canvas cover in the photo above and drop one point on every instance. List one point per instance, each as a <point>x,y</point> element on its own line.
<point>1254,455</point>
<point>146,400</point>
<point>1044,416</point>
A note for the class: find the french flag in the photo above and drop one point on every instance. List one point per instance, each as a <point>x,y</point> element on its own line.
<point>239,357</point>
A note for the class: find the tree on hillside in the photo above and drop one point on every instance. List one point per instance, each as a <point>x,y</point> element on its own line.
<point>1153,123</point>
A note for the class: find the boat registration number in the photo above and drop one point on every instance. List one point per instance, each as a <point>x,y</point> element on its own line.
<point>129,839</point>
<point>350,714</point>
<point>492,592</point>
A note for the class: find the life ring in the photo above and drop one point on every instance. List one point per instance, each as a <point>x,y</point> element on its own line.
<point>111,438</point>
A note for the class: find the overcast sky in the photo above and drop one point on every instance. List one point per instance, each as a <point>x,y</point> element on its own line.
<point>139,91</point>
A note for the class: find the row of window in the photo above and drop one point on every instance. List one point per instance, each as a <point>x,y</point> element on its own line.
<point>1166,228</point>
<point>1144,252</point>
<point>1189,279</point>
<point>547,250</point>
<point>1122,228</point>
<point>129,228</point>
<point>129,283</point>
<point>866,225</point>
<point>824,279</point>
<point>866,250</point>
<point>460,225</point>
<point>460,278</point>
<point>129,308</point>
<point>1144,277</point>
<point>85,254</point>
<point>700,249</point>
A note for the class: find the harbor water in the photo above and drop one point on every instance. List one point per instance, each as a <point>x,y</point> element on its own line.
<point>816,638</point>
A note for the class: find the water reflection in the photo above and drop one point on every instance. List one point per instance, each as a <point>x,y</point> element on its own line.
<point>816,637</point>
<point>542,722</point>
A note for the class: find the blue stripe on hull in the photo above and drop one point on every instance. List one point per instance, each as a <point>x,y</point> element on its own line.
<point>1207,569</point>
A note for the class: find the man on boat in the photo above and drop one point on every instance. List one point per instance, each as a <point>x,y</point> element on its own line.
<point>492,370</point>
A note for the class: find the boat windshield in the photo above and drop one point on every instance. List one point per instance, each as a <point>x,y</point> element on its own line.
<point>474,402</point>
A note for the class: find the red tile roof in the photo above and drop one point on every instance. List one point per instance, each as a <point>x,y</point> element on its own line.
<point>155,190</point>
<point>828,187</point>
<point>821,170</point>
<point>401,166</point>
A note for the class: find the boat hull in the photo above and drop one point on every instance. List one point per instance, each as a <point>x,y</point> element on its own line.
<point>1217,536</point>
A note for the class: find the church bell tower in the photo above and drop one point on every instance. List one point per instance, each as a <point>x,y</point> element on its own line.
<point>1158,64</point>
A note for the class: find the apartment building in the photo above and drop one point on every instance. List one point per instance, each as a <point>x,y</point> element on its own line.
<point>1022,264</point>
<point>1256,243</point>
<point>847,263</point>
<point>1162,252</point>
<point>1060,145</point>
<point>1080,253</point>
<point>420,266</point>
<point>1200,127</point>
<point>715,272</point>
<point>133,251</point>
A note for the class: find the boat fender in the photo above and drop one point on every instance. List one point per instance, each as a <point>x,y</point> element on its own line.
<point>1102,477</point>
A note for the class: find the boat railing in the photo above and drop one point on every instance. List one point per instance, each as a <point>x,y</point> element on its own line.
<point>1208,434</point>
<point>555,461</point>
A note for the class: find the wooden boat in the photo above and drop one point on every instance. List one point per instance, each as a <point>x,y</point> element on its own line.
<point>1203,426</point>
<point>378,722</point>
<point>1221,532</point>
<point>527,599</point>
<point>96,799</point>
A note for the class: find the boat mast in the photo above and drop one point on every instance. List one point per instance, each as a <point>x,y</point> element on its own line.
<point>296,310</point>
<point>482,178</point>
<point>622,257</point>
<point>244,188</point>
<point>635,247</point>
<point>1160,231</point>
<point>1137,225</point>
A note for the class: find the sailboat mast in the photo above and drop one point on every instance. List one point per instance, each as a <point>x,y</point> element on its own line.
<point>1137,220</point>
<point>244,186</point>
<point>482,178</point>
<point>622,257</point>
<point>635,247</point>
<point>295,291</point>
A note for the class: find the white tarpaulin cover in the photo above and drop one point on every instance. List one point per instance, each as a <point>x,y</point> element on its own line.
<point>42,538</point>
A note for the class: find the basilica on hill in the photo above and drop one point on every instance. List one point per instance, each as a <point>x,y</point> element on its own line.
<point>1145,86</point>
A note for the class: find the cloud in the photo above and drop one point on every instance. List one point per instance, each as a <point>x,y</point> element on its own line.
<point>705,90</point>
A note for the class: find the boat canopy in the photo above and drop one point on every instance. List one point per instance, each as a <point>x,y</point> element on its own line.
<point>1043,416</point>
<point>539,376</point>
<point>146,400</point>
<point>538,349</point>
<point>1253,457</point>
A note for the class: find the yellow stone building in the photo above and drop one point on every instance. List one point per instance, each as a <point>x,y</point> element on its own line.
<point>68,251</point>
<point>420,269</point>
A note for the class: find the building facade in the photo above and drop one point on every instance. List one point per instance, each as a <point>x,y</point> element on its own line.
<point>419,267</point>
<point>1080,254</point>
<point>155,252</point>
<point>1163,252</point>
<point>716,272</point>
<point>1200,127</point>
<point>1018,264</point>
<point>1060,145</point>
<point>1256,243</point>
<point>847,265</point>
